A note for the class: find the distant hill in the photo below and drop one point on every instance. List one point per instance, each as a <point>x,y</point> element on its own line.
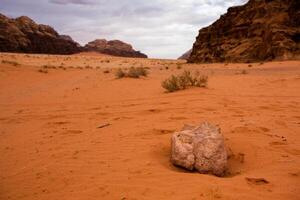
<point>257,31</point>
<point>24,35</point>
<point>113,47</point>
<point>186,55</point>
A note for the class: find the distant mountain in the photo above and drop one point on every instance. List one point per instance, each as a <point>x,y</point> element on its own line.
<point>186,55</point>
<point>257,31</point>
<point>24,35</point>
<point>113,47</point>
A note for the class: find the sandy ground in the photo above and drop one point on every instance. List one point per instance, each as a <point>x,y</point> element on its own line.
<point>51,148</point>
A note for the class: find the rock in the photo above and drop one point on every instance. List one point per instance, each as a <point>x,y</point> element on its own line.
<point>23,35</point>
<point>261,30</point>
<point>186,55</point>
<point>201,148</point>
<point>113,47</point>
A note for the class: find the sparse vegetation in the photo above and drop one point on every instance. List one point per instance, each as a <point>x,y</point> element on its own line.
<point>133,72</point>
<point>63,68</point>
<point>45,71</point>
<point>120,73</point>
<point>106,71</point>
<point>184,80</point>
<point>14,63</point>
<point>244,72</point>
<point>48,67</point>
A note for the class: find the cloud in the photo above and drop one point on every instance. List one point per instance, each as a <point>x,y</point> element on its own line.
<point>159,28</point>
<point>80,2</point>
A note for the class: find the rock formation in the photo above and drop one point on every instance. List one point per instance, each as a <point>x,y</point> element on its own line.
<point>186,55</point>
<point>113,47</point>
<point>201,148</point>
<point>257,31</point>
<point>24,35</point>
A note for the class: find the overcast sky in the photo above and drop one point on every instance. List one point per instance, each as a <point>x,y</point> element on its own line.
<point>159,28</point>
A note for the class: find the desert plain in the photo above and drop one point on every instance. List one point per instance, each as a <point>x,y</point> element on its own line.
<point>70,130</point>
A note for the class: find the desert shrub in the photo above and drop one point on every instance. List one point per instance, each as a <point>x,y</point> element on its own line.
<point>244,72</point>
<point>133,72</point>
<point>45,71</point>
<point>171,84</point>
<point>61,67</point>
<point>120,73</point>
<point>106,71</point>
<point>14,63</point>
<point>250,65</point>
<point>179,66</point>
<point>184,80</point>
<point>48,67</point>
<point>201,81</point>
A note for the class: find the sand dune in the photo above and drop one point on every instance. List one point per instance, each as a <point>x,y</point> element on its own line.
<point>51,148</point>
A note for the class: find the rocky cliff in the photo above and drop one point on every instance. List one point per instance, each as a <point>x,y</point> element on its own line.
<point>257,31</point>
<point>186,55</point>
<point>113,47</point>
<point>24,35</point>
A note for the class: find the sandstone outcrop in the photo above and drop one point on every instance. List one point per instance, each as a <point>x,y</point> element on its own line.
<point>186,55</point>
<point>23,35</point>
<point>260,30</point>
<point>113,47</point>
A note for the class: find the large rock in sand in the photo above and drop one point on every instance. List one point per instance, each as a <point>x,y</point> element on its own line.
<point>201,148</point>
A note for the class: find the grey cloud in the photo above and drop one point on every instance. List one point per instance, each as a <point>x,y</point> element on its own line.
<point>81,2</point>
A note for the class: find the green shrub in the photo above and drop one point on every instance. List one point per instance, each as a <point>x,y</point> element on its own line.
<point>184,80</point>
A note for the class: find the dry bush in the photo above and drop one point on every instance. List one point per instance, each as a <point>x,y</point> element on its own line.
<point>171,84</point>
<point>120,73</point>
<point>45,71</point>
<point>184,80</point>
<point>48,67</point>
<point>179,66</point>
<point>106,71</point>
<point>14,63</point>
<point>244,72</point>
<point>133,72</point>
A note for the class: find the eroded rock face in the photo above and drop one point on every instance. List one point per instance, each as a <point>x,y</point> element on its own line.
<point>23,35</point>
<point>260,30</point>
<point>186,55</point>
<point>201,148</point>
<point>113,47</point>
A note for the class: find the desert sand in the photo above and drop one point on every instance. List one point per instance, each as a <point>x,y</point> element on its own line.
<point>51,146</point>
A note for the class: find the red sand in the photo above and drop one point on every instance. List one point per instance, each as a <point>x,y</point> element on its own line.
<point>51,148</point>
